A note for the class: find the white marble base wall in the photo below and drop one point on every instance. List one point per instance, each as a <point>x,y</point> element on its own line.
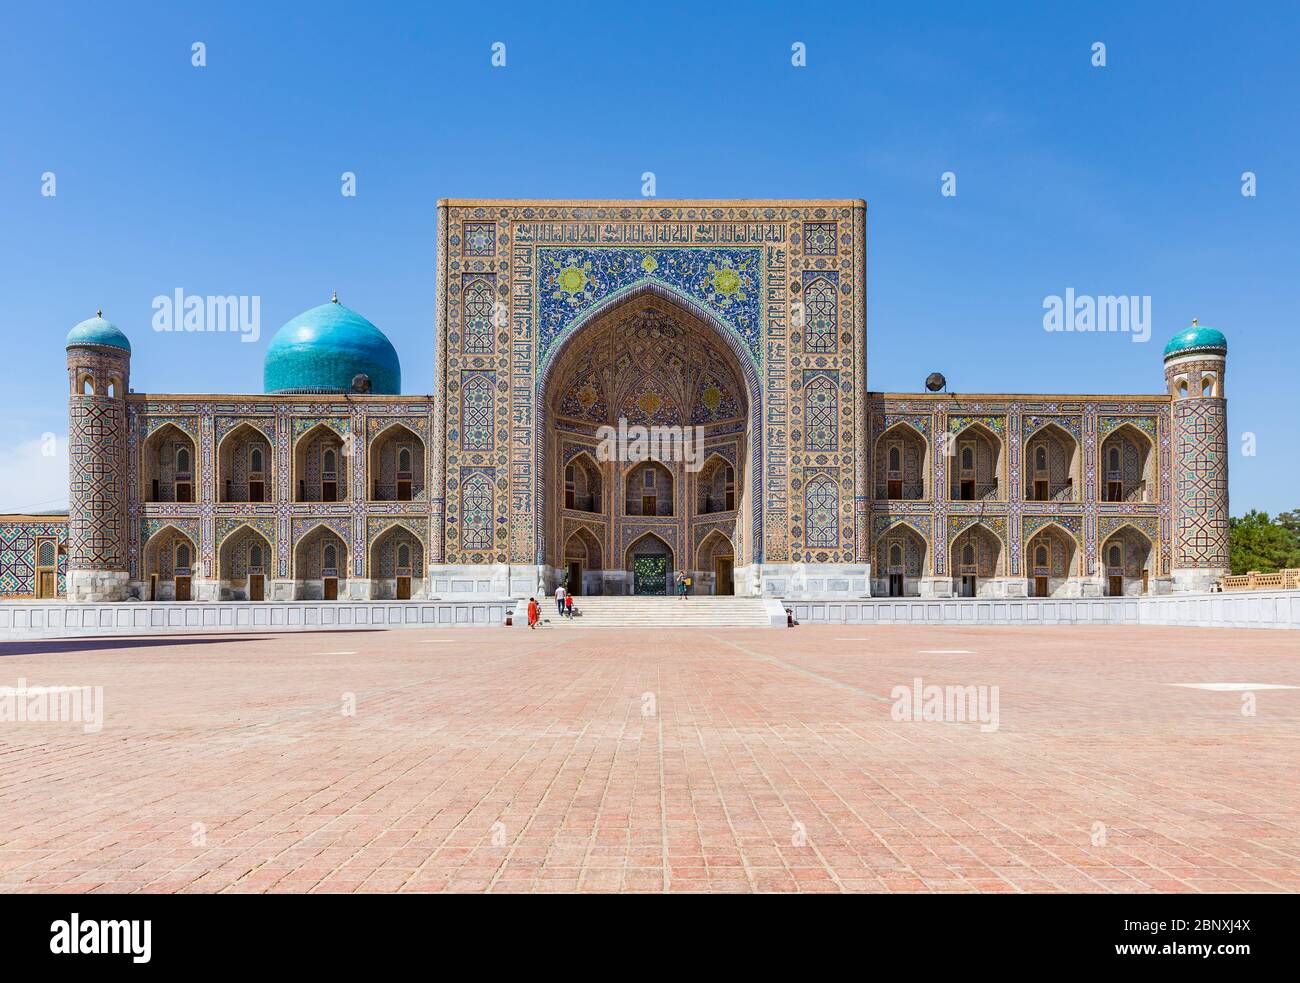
<point>59,619</point>
<point>1243,609</point>
<point>385,589</point>
<point>809,580</point>
<point>1225,609</point>
<point>1196,580</point>
<point>748,580</point>
<point>1011,587</point>
<point>54,619</point>
<point>446,581</point>
<point>985,587</point>
<point>352,589</point>
<point>936,587</point>
<point>206,590</point>
<point>91,586</point>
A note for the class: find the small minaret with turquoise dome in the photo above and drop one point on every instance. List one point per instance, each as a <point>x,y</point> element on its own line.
<point>99,377</point>
<point>1195,360</point>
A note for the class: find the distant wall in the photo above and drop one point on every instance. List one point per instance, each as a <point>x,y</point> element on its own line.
<point>43,619</point>
<point>1257,609</point>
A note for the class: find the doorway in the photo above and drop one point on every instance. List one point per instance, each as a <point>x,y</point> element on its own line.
<point>967,585</point>
<point>723,582</point>
<point>1040,587</point>
<point>182,588</point>
<point>573,579</point>
<point>256,586</point>
<point>649,573</point>
<point>895,585</point>
<point>331,585</point>
<point>1116,587</point>
<point>403,588</point>
<point>47,579</point>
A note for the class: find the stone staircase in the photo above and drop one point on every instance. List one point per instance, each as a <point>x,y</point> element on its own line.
<point>664,612</point>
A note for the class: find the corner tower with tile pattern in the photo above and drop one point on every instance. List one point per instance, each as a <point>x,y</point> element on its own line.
<point>1195,361</point>
<point>99,373</point>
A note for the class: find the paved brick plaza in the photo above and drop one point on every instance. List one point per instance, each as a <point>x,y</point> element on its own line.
<point>682,760</point>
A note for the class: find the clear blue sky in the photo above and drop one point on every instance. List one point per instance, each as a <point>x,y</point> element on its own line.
<point>225,179</point>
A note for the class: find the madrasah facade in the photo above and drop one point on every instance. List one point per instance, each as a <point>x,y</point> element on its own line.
<point>744,321</point>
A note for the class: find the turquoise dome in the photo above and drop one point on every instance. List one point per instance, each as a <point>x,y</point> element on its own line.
<point>96,331</point>
<point>1197,338</point>
<point>322,350</point>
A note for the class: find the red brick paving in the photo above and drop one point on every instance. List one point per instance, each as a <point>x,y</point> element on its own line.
<point>678,760</point>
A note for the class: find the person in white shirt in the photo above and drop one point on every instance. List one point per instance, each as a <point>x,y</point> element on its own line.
<point>559,599</point>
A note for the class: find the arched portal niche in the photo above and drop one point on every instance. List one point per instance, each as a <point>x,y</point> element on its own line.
<point>646,410</point>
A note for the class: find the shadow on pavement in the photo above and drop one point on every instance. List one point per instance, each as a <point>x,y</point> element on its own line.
<point>63,645</point>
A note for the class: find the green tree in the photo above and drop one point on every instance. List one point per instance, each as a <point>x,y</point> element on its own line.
<point>1290,520</point>
<point>1263,544</point>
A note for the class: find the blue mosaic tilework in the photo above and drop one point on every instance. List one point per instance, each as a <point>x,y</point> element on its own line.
<point>572,281</point>
<point>18,555</point>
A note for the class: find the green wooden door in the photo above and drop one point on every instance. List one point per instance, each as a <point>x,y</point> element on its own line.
<point>649,573</point>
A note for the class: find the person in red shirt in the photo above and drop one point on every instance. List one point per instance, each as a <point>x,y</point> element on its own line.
<point>532,612</point>
<point>568,605</point>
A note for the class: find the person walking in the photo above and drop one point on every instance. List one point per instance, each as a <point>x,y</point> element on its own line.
<point>559,600</point>
<point>568,606</point>
<point>681,584</point>
<point>532,612</point>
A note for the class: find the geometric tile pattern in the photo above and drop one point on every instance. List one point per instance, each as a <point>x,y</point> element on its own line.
<point>821,411</point>
<point>821,507</point>
<point>821,316</point>
<point>819,239</point>
<point>478,402</point>
<point>18,543</point>
<point>95,436</point>
<point>480,239</point>
<point>1200,448</point>
<point>480,328</point>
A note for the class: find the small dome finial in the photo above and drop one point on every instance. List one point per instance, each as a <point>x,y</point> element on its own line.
<point>1193,322</point>
<point>100,312</point>
<point>335,298</point>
